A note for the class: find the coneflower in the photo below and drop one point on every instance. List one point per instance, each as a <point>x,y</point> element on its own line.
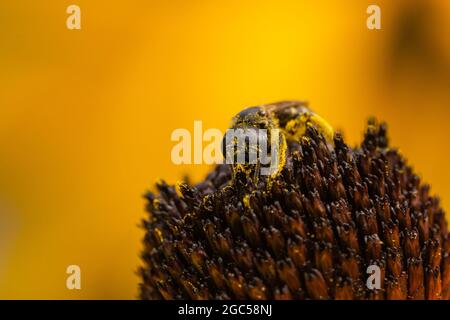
<point>308,232</point>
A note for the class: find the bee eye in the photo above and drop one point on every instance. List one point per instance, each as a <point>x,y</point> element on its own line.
<point>224,146</point>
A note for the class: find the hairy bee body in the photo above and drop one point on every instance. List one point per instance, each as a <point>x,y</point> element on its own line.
<point>269,126</point>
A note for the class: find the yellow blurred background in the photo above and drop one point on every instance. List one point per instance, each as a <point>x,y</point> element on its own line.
<point>86,115</point>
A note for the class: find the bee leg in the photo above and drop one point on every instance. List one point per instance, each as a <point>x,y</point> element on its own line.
<point>256,173</point>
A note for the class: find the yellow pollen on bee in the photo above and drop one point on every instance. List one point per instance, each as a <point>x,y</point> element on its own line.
<point>246,201</point>
<point>295,129</point>
<point>323,126</point>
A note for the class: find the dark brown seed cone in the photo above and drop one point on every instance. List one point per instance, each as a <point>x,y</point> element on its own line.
<point>329,214</point>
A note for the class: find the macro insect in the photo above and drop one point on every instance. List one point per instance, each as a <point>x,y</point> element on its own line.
<point>257,139</point>
<point>338,222</point>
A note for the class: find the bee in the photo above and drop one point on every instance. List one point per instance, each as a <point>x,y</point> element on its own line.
<point>257,139</point>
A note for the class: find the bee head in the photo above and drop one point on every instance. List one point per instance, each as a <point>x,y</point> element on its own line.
<point>254,117</point>
<point>246,125</point>
<point>254,140</point>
